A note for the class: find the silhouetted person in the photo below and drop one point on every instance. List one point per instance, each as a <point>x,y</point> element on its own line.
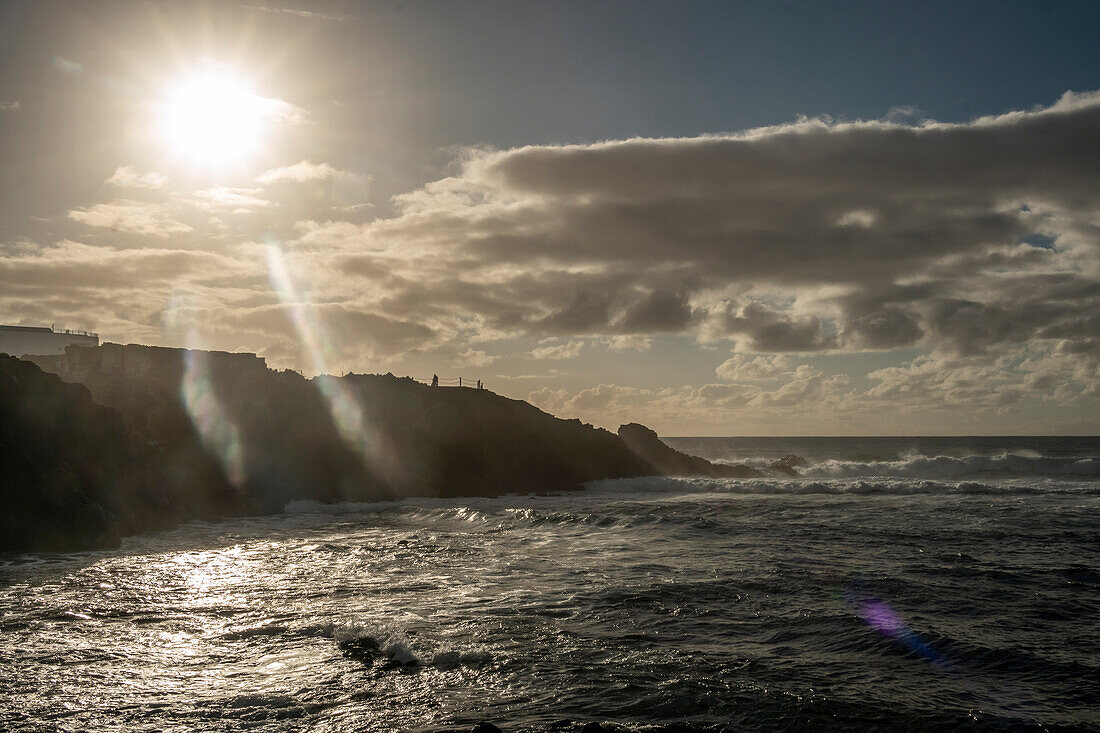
<point>435,380</point>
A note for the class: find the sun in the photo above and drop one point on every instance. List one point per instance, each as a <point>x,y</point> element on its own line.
<point>212,119</point>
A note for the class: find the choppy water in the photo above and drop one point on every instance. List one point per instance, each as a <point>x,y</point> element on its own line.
<point>897,586</point>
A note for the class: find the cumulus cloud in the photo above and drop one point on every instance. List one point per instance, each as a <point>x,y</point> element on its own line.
<point>551,350</point>
<point>136,217</point>
<point>474,358</point>
<point>741,367</point>
<point>807,386</point>
<point>628,343</point>
<point>127,176</point>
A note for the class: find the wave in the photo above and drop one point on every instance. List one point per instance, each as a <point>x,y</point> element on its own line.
<point>947,467</point>
<point>390,645</point>
<point>809,485</point>
<point>424,507</point>
<point>510,510</point>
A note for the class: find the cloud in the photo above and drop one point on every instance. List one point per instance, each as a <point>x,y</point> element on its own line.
<point>801,392</point>
<point>903,112</point>
<point>606,397</point>
<point>120,293</point>
<point>305,14</point>
<point>552,350</point>
<point>886,327</point>
<point>741,367</point>
<point>225,197</point>
<point>628,343</point>
<point>807,386</point>
<point>657,312</point>
<point>810,236</point>
<point>127,177</point>
<point>10,105</point>
<point>71,264</point>
<point>588,311</point>
<point>767,328</point>
<point>281,111</point>
<point>136,217</point>
<point>304,171</point>
<point>974,245</point>
<point>474,358</point>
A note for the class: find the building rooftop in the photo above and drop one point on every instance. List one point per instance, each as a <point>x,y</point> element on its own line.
<point>49,329</point>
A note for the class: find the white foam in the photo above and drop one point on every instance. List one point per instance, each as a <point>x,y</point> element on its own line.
<point>392,641</point>
<point>689,489</point>
<point>947,467</point>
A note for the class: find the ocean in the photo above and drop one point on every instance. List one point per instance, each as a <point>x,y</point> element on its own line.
<point>895,584</point>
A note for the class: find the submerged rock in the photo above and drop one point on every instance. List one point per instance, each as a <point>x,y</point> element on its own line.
<point>484,727</point>
<point>787,464</point>
<point>365,649</point>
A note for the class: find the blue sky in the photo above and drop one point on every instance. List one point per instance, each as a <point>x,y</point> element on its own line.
<point>828,220</point>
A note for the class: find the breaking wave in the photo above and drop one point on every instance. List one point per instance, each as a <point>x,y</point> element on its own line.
<point>655,484</point>
<point>946,467</point>
<point>391,645</point>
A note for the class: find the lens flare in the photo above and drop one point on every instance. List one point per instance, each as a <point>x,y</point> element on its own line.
<point>219,434</point>
<point>343,406</point>
<point>878,614</point>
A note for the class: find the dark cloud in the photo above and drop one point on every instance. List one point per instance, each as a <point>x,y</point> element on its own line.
<point>657,312</point>
<point>873,235</point>
<point>888,327</point>
<point>765,328</point>
<point>587,312</point>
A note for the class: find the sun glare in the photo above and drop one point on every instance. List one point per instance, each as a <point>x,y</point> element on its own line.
<point>212,119</point>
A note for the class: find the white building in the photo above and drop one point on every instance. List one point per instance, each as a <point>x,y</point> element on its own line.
<point>42,341</point>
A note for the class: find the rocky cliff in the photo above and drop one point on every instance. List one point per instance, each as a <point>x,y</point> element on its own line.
<point>68,475</point>
<point>142,437</point>
<point>644,443</point>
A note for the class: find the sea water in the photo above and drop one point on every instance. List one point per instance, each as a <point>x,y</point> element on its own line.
<point>896,584</point>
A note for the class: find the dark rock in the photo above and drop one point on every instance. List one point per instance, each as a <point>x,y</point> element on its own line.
<point>68,480</point>
<point>211,434</point>
<point>593,728</point>
<point>140,437</point>
<point>787,464</point>
<point>484,727</point>
<point>364,649</point>
<point>670,462</point>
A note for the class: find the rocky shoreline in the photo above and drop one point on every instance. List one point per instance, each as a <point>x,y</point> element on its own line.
<point>125,439</point>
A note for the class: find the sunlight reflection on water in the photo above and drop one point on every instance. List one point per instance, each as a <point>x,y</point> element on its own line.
<point>429,615</point>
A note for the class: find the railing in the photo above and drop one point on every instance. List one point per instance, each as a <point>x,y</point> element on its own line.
<point>452,382</point>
